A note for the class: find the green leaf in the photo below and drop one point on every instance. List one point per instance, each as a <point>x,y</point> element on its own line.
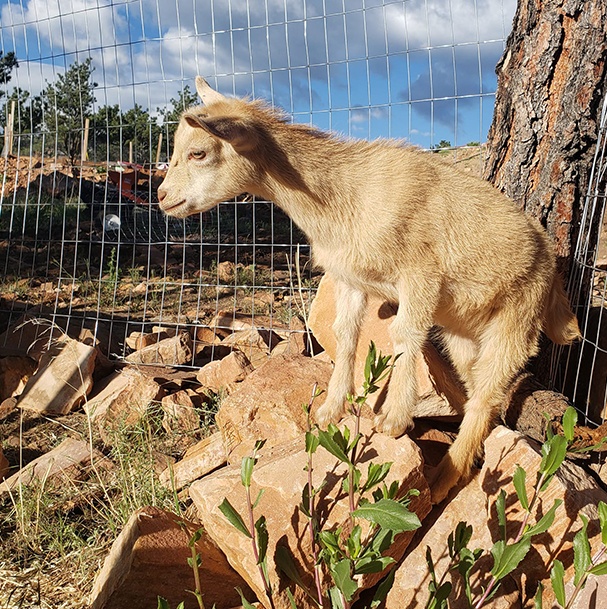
<point>291,599</point>
<point>600,569</point>
<point>234,518</point>
<point>519,479</point>
<point>440,596</point>
<point>545,522</point>
<point>335,598</point>
<point>507,557</point>
<point>342,578</point>
<point>500,507</point>
<point>246,471</point>
<point>376,474</point>
<point>262,538</point>
<point>554,452</point>
<point>569,421</point>
<point>372,565</point>
<point>245,602</point>
<point>330,541</point>
<point>603,521</point>
<point>311,442</point>
<point>354,542</point>
<point>557,579</point>
<point>537,600</point>
<point>163,603</point>
<point>581,551</point>
<point>195,537</point>
<point>333,441</point>
<point>285,562</point>
<point>459,538</point>
<point>382,589</point>
<point>389,514</point>
<point>257,499</point>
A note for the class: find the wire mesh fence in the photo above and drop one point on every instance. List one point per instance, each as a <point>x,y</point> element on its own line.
<point>91,95</point>
<point>580,371</point>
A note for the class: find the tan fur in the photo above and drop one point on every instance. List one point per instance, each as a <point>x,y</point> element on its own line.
<point>387,219</point>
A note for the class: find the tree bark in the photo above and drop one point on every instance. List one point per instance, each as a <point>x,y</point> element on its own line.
<point>550,88</point>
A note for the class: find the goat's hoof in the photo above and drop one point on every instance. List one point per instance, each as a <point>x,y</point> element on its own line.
<point>442,479</point>
<point>385,424</point>
<point>327,414</point>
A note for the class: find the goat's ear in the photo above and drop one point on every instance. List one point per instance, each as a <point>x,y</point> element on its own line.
<point>207,94</point>
<point>236,132</point>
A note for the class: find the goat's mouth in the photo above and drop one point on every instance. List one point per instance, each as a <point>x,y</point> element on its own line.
<point>171,209</point>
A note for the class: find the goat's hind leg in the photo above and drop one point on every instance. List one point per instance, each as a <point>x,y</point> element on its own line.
<point>351,305</point>
<point>505,348</point>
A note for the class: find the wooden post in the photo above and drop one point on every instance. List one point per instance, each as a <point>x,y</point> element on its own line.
<point>85,140</point>
<point>131,152</point>
<point>158,149</point>
<point>9,131</point>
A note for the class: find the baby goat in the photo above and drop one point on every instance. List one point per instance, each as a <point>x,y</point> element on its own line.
<point>386,219</point>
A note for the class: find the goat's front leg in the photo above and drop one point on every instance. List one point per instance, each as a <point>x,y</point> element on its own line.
<point>350,307</point>
<point>418,296</point>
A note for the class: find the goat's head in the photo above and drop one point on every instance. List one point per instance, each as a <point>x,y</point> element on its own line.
<point>211,160</point>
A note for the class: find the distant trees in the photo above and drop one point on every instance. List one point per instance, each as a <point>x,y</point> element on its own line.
<point>67,103</point>
<point>56,118</point>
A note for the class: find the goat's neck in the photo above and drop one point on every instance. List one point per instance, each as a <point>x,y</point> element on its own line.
<point>304,175</point>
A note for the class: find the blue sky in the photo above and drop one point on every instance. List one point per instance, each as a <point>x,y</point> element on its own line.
<point>416,69</point>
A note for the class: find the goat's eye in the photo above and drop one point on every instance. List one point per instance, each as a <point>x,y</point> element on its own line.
<point>197,155</point>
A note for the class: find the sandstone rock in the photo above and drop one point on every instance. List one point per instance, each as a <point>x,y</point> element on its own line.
<point>122,400</point>
<point>179,413</point>
<point>14,374</point>
<point>440,394</point>
<point>29,337</point>
<point>173,351</point>
<point>150,559</point>
<point>7,406</point>
<point>281,472</point>
<point>68,461</point>
<point>475,504</point>
<point>141,340</point>
<point>63,379</point>
<point>202,458</point>
<point>209,336</point>
<point>255,344</point>
<point>224,373</point>
<point>268,404</point>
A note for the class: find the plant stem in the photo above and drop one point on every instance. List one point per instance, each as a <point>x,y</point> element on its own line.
<point>311,507</point>
<point>266,583</point>
<point>518,537</point>
<point>198,594</point>
<point>597,557</point>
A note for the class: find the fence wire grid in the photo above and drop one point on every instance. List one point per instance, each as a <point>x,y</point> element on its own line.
<point>90,95</point>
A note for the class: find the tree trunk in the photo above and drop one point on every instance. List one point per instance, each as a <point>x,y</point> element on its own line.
<point>550,88</point>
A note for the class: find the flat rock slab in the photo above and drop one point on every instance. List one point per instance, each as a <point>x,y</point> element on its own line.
<point>173,351</point>
<point>202,458</point>
<point>281,473</point>
<point>475,504</point>
<point>122,399</point>
<point>68,461</point>
<point>268,404</point>
<point>150,558</point>
<point>63,379</point>
<point>223,374</point>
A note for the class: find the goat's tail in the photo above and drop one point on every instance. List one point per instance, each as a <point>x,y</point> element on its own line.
<point>560,323</point>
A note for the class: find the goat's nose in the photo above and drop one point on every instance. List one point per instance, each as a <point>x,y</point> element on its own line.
<point>162,193</point>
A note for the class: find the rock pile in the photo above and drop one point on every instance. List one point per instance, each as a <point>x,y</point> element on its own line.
<point>264,377</point>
